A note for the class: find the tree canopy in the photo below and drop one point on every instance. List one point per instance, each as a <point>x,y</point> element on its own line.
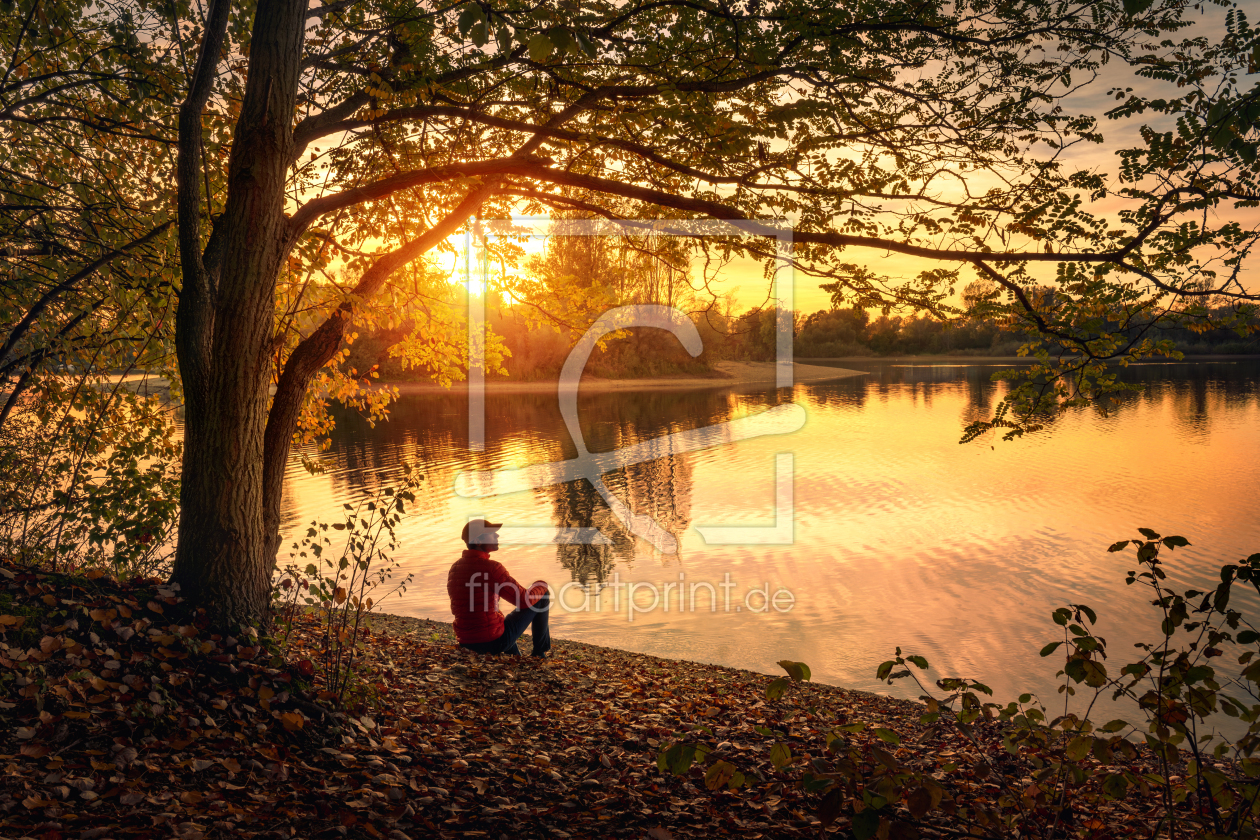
<point>272,171</point>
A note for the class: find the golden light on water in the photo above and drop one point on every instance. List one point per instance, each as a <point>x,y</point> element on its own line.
<point>901,537</point>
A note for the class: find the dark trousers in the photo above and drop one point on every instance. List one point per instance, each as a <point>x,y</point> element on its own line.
<point>517,622</point>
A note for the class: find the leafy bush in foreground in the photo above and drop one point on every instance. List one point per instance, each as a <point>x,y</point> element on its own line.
<point>1037,773</point>
<point>340,589</point>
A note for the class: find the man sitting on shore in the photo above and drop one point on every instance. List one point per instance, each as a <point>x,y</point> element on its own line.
<point>476,583</point>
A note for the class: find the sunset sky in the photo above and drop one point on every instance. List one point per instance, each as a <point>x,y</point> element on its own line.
<point>745,278</point>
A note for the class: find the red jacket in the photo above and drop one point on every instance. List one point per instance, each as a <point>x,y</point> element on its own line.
<point>475,585</point>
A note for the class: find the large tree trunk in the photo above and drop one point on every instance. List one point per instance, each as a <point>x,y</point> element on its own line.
<point>225,553</point>
<point>235,447</point>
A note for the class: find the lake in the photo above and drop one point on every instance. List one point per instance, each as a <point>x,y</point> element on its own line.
<point>900,536</point>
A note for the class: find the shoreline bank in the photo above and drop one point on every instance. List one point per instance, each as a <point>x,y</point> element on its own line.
<point>729,375</point>
<point>442,632</point>
<point>806,369</point>
<point>980,360</point>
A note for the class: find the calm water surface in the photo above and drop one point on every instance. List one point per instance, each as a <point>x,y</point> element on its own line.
<point>902,536</point>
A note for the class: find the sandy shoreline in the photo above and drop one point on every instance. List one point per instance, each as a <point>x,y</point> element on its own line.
<point>729,375</point>
<point>928,359</point>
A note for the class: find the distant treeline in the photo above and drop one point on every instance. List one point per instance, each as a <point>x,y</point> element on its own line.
<point>852,332</point>
<point>538,349</point>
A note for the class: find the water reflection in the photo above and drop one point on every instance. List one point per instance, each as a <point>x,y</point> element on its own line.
<point>903,537</point>
<point>526,429</point>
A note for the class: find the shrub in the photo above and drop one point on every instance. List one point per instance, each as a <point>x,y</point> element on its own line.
<point>340,587</point>
<point>1043,774</point>
<point>89,477</point>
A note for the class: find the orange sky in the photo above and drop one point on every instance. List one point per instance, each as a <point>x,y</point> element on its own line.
<point>745,277</point>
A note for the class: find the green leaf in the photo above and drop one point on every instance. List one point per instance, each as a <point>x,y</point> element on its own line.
<point>1176,542</point>
<point>1136,7</point>
<point>678,758</point>
<point>812,784</point>
<point>584,43</point>
<point>887,735</point>
<point>798,671</point>
<point>866,824</point>
<point>721,774</point>
<point>918,661</point>
<point>1115,786</point>
<point>1220,599</point>
<point>561,39</point>
<point>780,755</point>
<point>540,48</point>
<point>470,15</point>
<point>1078,748</point>
<point>775,690</point>
<point>1148,533</point>
<point>1118,546</point>
<point>1095,674</point>
<point>1050,648</point>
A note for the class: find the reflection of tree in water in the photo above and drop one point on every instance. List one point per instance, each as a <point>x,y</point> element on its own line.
<point>660,488</point>
<point>1196,388</point>
<point>577,505</point>
<point>431,430</point>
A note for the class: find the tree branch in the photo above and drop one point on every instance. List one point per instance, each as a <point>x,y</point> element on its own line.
<point>194,317</point>
<point>32,314</point>
<point>314,351</point>
<point>718,210</point>
<point>307,213</point>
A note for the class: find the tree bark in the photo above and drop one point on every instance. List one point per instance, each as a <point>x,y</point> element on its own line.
<point>235,445</point>
<point>225,327</point>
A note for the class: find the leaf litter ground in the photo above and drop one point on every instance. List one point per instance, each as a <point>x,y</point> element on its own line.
<point>119,721</point>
